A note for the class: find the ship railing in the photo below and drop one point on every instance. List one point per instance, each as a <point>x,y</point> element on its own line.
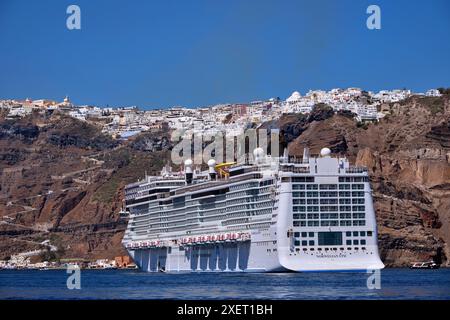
<point>355,170</point>
<point>199,186</point>
<point>293,169</point>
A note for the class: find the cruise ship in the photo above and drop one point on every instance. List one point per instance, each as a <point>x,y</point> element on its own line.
<point>268,214</point>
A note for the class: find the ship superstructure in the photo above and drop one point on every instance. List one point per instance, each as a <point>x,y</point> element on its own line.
<point>265,215</point>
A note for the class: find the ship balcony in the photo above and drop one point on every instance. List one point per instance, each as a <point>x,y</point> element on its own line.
<point>356,170</point>
<point>293,169</point>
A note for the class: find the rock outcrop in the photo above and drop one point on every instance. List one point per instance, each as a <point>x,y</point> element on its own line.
<point>62,179</point>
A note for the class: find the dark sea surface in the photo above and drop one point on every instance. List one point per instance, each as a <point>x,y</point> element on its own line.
<point>132,284</point>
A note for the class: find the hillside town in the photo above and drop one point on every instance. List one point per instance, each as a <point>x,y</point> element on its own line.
<point>24,261</point>
<point>232,118</point>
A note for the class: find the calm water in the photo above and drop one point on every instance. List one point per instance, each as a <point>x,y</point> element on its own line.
<point>131,284</point>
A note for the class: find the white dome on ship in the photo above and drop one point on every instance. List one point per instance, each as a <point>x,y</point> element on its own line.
<point>258,152</point>
<point>325,152</point>
<point>294,96</point>
<point>188,162</point>
<point>211,163</point>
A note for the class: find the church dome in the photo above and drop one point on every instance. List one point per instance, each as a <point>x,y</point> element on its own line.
<point>294,96</point>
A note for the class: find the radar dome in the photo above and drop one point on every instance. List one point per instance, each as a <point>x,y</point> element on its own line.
<point>188,162</point>
<point>325,152</point>
<point>258,152</point>
<point>211,163</point>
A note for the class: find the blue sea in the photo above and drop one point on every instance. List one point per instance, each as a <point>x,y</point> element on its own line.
<point>394,284</point>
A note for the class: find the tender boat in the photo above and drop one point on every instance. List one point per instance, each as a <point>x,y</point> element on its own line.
<point>425,265</point>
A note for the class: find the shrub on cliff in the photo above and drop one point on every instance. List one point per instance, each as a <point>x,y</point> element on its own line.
<point>320,112</point>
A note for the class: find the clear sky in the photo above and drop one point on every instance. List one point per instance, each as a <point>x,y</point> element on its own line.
<point>160,53</point>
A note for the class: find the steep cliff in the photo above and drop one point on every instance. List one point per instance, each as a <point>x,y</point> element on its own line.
<point>62,179</point>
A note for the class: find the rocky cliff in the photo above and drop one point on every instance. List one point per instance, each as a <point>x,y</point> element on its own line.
<point>62,179</point>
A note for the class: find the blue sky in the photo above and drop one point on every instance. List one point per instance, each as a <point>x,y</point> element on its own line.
<point>155,53</point>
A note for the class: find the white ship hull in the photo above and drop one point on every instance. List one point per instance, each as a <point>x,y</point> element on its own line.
<point>251,256</point>
<point>228,257</point>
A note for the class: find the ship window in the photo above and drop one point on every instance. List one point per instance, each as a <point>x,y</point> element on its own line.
<point>355,233</point>
<point>297,243</point>
<point>355,242</point>
<point>311,242</point>
<point>328,187</point>
<point>304,234</point>
<point>357,187</point>
<point>304,243</point>
<point>362,233</point>
<point>360,215</point>
<point>349,242</point>
<point>369,233</point>
<point>325,223</point>
<point>285,179</point>
<point>296,234</point>
<point>311,234</point>
<point>363,242</point>
<point>348,233</point>
<point>330,238</point>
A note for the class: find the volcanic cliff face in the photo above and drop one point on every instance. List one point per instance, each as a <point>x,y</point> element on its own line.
<point>61,179</point>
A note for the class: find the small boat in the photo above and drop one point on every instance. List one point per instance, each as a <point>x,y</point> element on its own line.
<point>425,265</point>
